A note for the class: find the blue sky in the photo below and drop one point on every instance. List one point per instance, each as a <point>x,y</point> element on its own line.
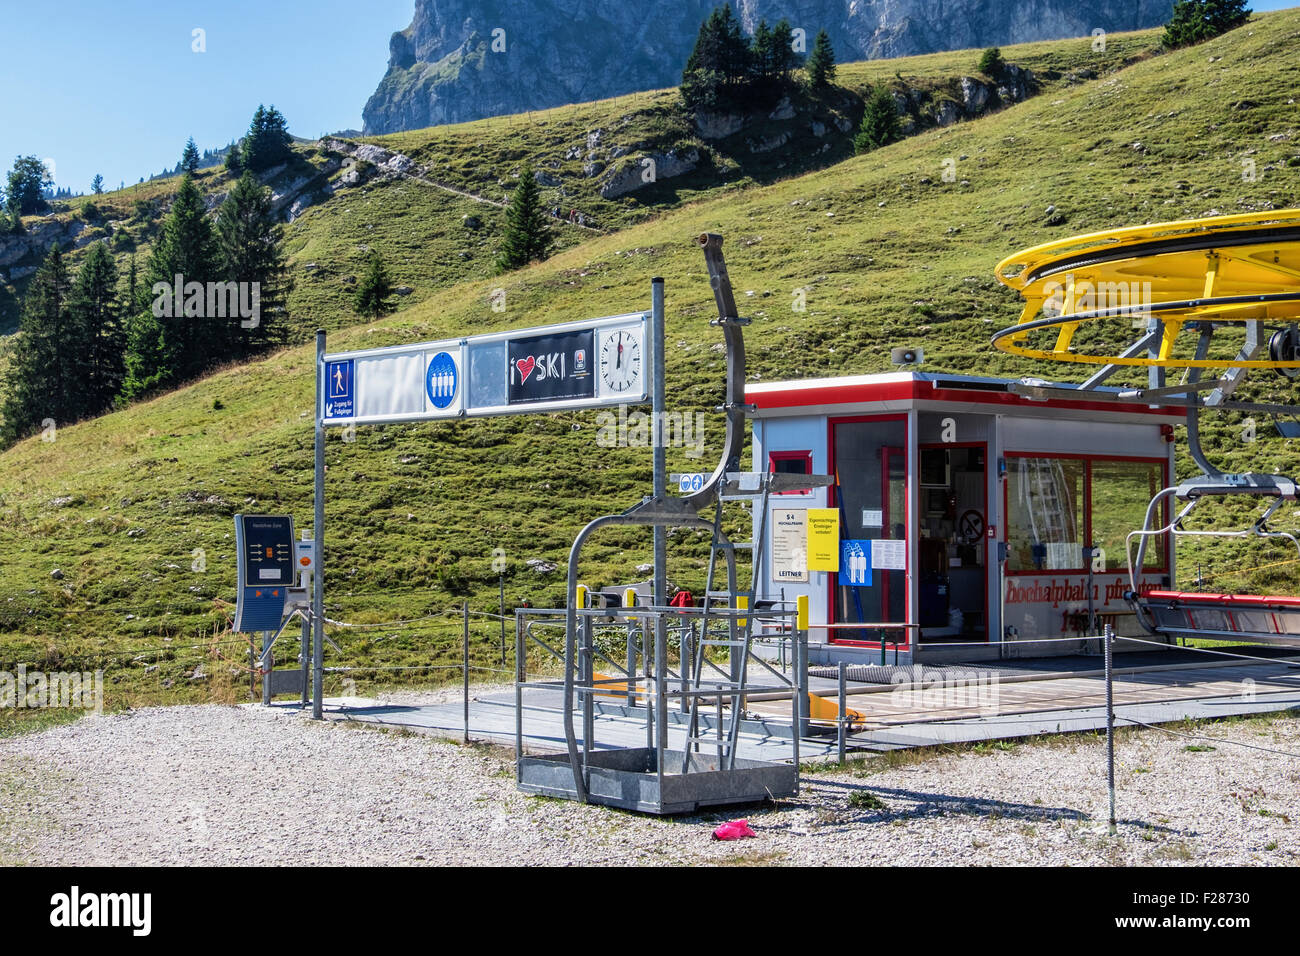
<point>116,88</point>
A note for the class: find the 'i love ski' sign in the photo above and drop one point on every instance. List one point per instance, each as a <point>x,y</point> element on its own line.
<point>549,368</point>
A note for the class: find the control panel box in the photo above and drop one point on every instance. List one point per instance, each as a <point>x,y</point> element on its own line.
<point>267,559</point>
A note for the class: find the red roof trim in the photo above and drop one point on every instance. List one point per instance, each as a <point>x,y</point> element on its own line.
<point>856,393</point>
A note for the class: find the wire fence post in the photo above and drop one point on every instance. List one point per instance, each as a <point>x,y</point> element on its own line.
<point>844,714</point>
<point>521,675</point>
<point>465,668</point>
<point>503,620</point>
<point>1108,637</point>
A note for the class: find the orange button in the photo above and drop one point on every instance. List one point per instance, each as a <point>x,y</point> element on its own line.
<point>275,594</point>
<point>304,561</point>
<point>257,593</point>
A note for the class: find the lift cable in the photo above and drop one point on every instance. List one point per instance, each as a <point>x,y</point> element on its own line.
<point>1280,662</point>
<point>1251,569</point>
<point>1217,740</point>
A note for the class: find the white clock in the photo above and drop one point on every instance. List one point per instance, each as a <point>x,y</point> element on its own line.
<point>620,362</point>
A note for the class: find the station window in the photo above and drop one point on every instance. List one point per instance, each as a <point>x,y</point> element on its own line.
<point>791,463</point>
<point>1055,505</point>
<point>1045,514</point>
<point>1121,491</point>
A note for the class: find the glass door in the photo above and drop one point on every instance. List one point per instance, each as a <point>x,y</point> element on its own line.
<point>870,464</point>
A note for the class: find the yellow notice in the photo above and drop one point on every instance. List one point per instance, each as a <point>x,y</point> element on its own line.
<point>823,539</point>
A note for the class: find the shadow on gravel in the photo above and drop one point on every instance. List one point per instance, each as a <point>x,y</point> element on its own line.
<point>876,804</point>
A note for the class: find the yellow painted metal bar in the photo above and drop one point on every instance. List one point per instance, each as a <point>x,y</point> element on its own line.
<point>801,612</point>
<point>1026,315</point>
<point>1066,332</point>
<point>1171,329</point>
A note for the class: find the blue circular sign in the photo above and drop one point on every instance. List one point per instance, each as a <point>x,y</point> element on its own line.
<point>441,380</point>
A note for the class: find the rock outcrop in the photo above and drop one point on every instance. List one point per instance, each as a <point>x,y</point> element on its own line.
<point>466,59</point>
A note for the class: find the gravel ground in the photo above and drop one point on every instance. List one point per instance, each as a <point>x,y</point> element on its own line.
<point>242,785</point>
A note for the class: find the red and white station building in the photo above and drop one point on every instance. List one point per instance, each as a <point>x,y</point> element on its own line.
<point>967,506</point>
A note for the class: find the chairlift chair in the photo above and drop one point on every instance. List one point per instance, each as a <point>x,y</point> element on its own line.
<point>1247,618</point>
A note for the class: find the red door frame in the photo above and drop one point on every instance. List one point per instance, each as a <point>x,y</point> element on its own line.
<point>988,542</point>
<point>834,502</point>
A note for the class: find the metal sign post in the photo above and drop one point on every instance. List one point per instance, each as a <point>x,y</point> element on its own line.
<point>660,491</point>
<point>318,534</point>
<point>565,367</point>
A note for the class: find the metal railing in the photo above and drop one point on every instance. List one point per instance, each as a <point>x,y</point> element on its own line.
<point>643,680</point>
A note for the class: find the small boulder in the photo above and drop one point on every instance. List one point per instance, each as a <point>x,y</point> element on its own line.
<point>718,125</point>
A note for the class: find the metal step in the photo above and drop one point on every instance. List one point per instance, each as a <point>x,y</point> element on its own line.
<point>716,643</point>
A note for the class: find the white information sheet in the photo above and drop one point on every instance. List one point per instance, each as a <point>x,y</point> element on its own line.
<point>790,545</point>
<point>887,555</point>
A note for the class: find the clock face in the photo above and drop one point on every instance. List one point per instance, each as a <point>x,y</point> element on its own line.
<point>620,362</point>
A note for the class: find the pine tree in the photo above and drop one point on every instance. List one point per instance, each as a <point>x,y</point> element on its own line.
<point>784,60</point>
<point>249,250</point>
<point>991,62</point>
<point>234,158</point>
<point>879,122</point>
<point>176,346</point>
<point>99,330</point>
<point>1196,20</point>
<point>763,54</point>
<point>97,184</point>
<point>268,140</point>
<point>821,62</point>
<point>720,65</point>
<point>527,236</point>
<point>42,381</point>
<point>189,158</point>
<point>374,289</point>
<point>146,356</point>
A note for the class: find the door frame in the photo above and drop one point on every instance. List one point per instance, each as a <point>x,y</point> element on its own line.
<point>988,541</point>
<point>909,426</point>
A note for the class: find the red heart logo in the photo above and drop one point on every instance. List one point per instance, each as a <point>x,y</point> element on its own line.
<point>525,367</point>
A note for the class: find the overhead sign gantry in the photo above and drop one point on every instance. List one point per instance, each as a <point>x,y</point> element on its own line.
<point>553,368</point>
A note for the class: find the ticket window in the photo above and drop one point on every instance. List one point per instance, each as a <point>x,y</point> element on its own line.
<point>870,462</point>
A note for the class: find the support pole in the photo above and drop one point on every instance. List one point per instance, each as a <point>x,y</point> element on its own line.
<point>521,675</point>
<point>1108,638</point>
<point>657,409</point>
<point>801,666</point>
<point>844,714</point>
<point>658,400</point>
<point>318,533</point>
<point>266,665</point>
<point>502,582</point>
<point>465,667</point>
<point>304,658</point>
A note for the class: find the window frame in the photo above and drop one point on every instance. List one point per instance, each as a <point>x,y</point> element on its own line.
<point>1087,461</point>
<point>803,455</point>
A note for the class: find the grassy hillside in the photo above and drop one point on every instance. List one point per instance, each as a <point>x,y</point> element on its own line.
<point>885,250</point>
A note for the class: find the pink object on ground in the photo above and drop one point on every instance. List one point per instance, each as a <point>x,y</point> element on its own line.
<point>733,830</point>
